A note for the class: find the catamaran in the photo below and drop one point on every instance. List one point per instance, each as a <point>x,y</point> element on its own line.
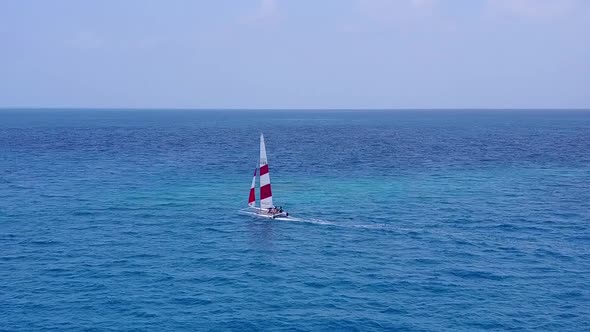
<point>266,209</point>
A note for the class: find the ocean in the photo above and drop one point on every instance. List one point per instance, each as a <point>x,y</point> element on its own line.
<point>425,220</point>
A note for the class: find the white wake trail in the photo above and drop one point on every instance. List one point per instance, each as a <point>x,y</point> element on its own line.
<point>316,221</point>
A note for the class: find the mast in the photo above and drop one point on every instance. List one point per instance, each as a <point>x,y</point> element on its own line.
<point>252,197</point>
<point>265,191</point>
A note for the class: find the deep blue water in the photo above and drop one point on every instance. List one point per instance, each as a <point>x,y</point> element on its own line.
<point>413,221</point>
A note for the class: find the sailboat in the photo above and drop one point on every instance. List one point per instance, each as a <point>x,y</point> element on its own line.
<point>266,209</point>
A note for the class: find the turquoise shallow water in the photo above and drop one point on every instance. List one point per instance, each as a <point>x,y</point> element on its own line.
<point>411,221</point>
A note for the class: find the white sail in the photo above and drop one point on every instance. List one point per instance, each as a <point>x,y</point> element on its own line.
<point>252,197</point>
<point>265,189</point>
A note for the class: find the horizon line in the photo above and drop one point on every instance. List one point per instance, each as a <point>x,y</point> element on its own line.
<point>69,108</point>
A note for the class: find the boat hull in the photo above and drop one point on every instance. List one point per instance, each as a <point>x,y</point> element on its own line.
<point>263,213</point>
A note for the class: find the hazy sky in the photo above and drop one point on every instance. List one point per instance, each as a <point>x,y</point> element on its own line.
<point>295,53</point>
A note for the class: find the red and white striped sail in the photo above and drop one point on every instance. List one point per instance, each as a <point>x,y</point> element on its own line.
<point>252,197</point>
<point>265,191</point>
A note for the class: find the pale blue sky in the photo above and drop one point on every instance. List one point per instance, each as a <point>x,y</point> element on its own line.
<point>295,53</point>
